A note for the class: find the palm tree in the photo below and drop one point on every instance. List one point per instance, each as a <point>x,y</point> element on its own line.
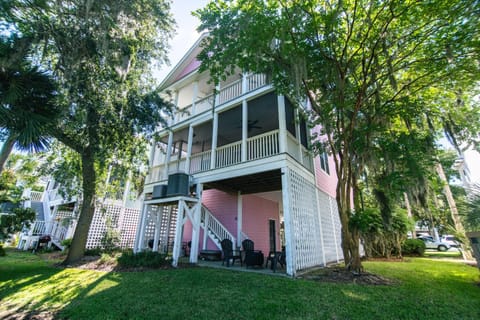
<point>27,111</point>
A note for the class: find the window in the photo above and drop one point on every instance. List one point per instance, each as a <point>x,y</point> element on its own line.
<point>324,162</point>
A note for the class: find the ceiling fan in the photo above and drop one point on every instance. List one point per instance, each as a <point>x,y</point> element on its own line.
<point>252,124</point>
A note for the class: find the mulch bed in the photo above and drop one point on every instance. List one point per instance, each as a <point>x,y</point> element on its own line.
<point>341,275</point>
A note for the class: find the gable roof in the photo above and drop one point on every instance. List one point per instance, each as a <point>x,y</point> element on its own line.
<point>187,65</point>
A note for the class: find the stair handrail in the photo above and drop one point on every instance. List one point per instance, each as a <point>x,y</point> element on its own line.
<point>215,226</point>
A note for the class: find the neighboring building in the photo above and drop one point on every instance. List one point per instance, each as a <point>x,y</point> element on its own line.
<point>57,218</point>
<point>468,166</point>
<point>237,165</point>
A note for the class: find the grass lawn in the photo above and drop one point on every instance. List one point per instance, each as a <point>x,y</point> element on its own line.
<point>426,289</point>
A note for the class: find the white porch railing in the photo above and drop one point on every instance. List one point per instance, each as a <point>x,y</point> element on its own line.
<point>229,154</point>
<point>212,224</point>
<point>36,196</point>
<point>200,161</point>
<point>204,104</point>
<point>264,145</point>
<point>156,173</point>
<point>255,81</point>
<point>37,228</point>
<point>230,92</point>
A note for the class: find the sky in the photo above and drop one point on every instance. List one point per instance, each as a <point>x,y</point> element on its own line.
<point>186,33</point>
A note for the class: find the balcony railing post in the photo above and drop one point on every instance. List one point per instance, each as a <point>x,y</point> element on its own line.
<point>244,82</point>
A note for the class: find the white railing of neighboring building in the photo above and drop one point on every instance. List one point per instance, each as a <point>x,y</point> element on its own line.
<point>36,196</point>
<point>38,228</point>
<point>213,225</point>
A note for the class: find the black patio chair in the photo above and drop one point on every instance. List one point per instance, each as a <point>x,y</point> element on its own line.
<point>252,257</point>
<point>229,253</point>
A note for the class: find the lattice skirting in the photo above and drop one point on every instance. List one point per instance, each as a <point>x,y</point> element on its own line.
<point>315,224</point>
<point>124,220</point>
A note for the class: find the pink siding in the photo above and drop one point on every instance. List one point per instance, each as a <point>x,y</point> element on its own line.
<point>194,64</point>
<point>326,182</point>
<point>223,206</point>
<point>256,215</point>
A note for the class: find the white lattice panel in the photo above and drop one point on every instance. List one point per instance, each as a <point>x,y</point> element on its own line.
<point>129,227</point>
<point>126,225</point>
<point>329,234</point>
<point>305,222</point>
<point>337,225</point>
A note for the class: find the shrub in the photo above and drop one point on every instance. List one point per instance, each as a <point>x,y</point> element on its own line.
<point>66,243</point>
<point>2,251</point>
<point>413,247</point>
<point>146,259</point>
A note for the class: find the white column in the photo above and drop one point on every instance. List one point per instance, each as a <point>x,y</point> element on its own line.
<point>244,82</point>
<point>289,236</point>
<point>214,140</point>
<point>169,154</point>
<point>282,124</point>
<point>189,149</point>
<point>239,218</point>
<point>177,244</point>
<point>194,98</point>
<point>140,236</point>
<point>205,231</point>
<point>244,129</point>
<point>297,133</point>
<point>196,225</point>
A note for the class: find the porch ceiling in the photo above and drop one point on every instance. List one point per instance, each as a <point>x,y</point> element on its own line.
<point>254,183</point>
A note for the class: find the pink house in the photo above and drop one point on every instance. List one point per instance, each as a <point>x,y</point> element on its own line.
<point>237,165</point>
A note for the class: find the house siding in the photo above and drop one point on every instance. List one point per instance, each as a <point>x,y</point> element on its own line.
<point>256,215</point>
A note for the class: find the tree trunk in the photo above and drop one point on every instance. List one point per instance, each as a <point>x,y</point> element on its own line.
<point>6,150</point>
<point>350,237</point>
<point>79,241</point>
<point>453,210</point>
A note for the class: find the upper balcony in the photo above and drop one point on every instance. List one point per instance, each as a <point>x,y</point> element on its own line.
<point>196,96</point>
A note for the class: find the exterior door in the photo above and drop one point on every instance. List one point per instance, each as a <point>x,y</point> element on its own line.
<point>273,239</point>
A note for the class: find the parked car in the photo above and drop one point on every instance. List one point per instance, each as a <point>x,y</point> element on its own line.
<point>430,243</point>
<point>451,240</point>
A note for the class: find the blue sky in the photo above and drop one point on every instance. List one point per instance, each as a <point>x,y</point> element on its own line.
<point>186,33</point>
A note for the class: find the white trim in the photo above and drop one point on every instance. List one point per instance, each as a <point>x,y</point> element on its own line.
<point>289,241</point>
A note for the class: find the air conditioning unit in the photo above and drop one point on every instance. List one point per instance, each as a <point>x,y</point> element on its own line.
<point>159,191</point>
<point>178,184</point>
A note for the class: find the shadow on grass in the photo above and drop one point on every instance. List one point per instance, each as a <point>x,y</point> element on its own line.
<point>430,291</point>
<point>206,293</point>
<point>31,288</point>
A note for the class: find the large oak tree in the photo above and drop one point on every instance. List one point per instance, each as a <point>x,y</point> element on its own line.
<point>358,62</point>
<point>100,53</point>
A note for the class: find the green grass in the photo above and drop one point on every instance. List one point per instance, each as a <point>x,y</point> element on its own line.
<point>426,289</point>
